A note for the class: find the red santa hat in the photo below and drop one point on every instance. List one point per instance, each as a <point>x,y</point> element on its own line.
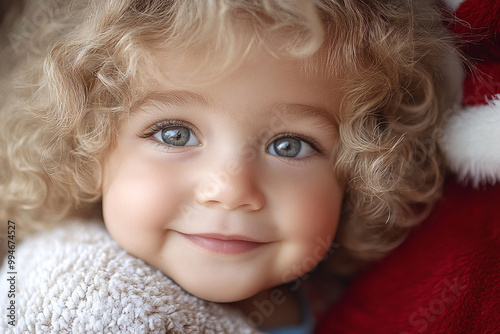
<point>471,138</point>
<point>457,291</point>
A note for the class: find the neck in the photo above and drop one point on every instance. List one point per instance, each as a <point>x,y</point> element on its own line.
<point>272,308</point>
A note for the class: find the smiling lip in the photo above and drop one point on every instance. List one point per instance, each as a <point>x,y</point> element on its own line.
<point>227,244</point>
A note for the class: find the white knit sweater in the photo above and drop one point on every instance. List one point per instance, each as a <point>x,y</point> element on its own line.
<point>76,279</point>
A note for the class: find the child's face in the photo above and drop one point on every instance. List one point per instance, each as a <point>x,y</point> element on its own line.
<point>227,188</point>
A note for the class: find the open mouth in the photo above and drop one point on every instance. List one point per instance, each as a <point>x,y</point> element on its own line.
<point>223,244</point>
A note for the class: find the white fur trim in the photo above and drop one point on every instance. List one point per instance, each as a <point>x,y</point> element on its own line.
<point>471,142</point>
<point>453,4</point>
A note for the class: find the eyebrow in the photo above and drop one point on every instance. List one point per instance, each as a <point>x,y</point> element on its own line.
<point>185,98</point>
<point>298,110</point>
<point>182,98</point>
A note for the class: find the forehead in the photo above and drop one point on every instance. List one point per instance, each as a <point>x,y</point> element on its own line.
<point>155,103</point>
<point>261,80</point>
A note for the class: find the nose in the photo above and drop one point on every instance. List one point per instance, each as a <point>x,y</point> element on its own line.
<point>234,186</point>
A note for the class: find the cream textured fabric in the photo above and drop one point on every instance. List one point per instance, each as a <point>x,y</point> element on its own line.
<point>76,279</point>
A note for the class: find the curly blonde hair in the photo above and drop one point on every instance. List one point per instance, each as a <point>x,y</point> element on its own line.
<point>80,74</point>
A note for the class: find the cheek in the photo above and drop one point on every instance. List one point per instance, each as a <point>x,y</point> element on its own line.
<point>318,216</point>
<point>310,221</point>
<point>138,201</point>
<point>316,205</point>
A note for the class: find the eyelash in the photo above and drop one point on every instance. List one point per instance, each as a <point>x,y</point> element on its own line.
<point>155,128</point>
<point>308,140</point>
<point>165,124</point>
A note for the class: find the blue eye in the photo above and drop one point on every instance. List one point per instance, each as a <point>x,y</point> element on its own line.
<point>290,147</point>
<point>177,136</point>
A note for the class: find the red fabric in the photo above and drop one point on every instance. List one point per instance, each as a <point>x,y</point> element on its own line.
<point>482,86</point>
<point>445,278</point>
<point>477,24</point>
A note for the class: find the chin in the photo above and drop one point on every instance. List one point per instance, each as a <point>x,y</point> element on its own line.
<point>229,293</point>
